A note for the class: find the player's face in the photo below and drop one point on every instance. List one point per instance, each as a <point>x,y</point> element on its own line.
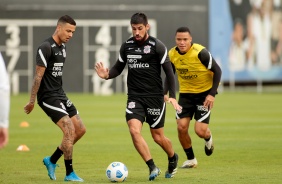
<point>183,41</point>
<point>65,32</point>
<point>140,32</point>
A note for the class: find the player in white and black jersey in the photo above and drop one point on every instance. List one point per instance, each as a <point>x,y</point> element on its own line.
<point>145,56</point>
<point>48,87</point>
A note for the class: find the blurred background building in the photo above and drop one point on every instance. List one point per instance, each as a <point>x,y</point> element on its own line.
<point>244,36</point>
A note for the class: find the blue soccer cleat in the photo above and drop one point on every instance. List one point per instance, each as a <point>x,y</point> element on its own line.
<point>50,168</point>
<point>73,177</point>
<point>154,173</point>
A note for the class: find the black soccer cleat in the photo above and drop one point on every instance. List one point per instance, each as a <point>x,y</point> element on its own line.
<point>209,147</point>
<point>172,168</point>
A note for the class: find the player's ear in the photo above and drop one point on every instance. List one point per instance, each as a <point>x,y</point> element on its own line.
<point>147,27</point>
<point>58,28</point>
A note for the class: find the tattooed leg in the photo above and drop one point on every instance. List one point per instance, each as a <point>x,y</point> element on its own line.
<point>79,127</point>
<point>68,129</point>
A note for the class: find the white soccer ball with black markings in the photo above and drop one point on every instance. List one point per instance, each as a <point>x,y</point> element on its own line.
<point>117,172</point>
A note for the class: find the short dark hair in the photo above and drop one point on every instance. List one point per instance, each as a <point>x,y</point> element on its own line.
<point>66,19</point>
<point>183,29</point>
<point>139,18</point>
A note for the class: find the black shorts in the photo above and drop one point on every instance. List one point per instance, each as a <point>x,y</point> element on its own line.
<point>58,107</point>
<point>149,109</point>
<point>192,105</point>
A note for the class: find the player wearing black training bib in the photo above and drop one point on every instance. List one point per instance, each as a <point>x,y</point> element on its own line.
<point>48,87</point>
<point>145,56</point>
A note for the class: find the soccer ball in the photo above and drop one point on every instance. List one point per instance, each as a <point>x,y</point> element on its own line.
<point>117,172</point>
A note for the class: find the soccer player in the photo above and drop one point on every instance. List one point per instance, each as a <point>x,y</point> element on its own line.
<point>47,86</point>
<point>145,57</point>
<point>5,104</point>
<point>198,76</point>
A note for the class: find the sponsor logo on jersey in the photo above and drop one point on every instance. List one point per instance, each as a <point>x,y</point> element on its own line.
<point>131,105</point>
<point>132,61</point>
<point>155,112</point>
<point>189,76</point>
<point>182,71</point>
<point>147,49</point>
<point>64,53</point>
<point>130,41</point>
<point>138,50</point>
<point>202,108</point>
<point>134,56</point>
<point>153,43</point>
<point>69,103</point>
<point>57,69</point>
<point>53,45</point>
<point>58,64</point>
<point>182,61</point>
<point>63,106</point>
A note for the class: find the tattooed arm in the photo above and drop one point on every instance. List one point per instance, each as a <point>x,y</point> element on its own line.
<point>39,72</point>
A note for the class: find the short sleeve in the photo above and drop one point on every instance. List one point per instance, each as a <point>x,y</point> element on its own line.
<point>43,54</point>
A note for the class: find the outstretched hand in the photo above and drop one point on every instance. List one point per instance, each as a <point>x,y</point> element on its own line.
<point>101,70</point>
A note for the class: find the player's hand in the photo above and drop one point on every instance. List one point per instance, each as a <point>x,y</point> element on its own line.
<point>101,70</point>
<point>166,98</point>
<point>28,107</point>
<point>208,103</point>
<point>175,104</point>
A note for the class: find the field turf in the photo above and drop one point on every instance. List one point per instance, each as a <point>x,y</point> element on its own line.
<point>246,131</point>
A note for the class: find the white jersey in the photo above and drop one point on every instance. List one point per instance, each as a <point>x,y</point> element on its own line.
<point>4,95</point>
<point>4,79</point>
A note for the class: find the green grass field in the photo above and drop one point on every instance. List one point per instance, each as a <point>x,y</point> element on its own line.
<point>246,130</point>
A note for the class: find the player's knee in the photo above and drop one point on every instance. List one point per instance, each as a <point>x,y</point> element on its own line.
<point>68,128</point>
<point>158,139</point>
<point>200,132</point>
<point>201,129</point>
<point>182,129</point>
<point>81,131</point>
<point>134,131</point>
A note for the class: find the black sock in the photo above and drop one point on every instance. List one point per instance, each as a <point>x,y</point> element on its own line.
<point>208,139</point>
<point>56,155</point>
<point>150,163</point>
<point>68,164</point>
<point>172,158</point>
<point>189,153</point>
